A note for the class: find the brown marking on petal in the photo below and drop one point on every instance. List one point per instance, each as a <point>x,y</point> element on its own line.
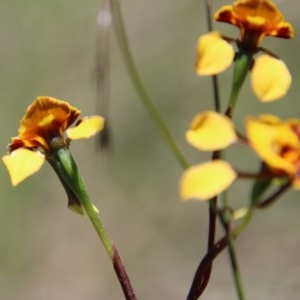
<point>256,19</point>
<point>285,31</point>
<point>198,121</point>
<point>45,119</point>
<point>225,14</point>
<point>296,129</point>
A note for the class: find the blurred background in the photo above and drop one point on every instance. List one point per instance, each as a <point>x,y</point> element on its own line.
<point>48,252</point>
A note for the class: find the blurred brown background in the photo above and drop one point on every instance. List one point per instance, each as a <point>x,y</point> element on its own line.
<point>48,252</point>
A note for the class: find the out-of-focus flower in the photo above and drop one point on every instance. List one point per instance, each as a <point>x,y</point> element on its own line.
<point>277,143</point>
<point>256,19</point>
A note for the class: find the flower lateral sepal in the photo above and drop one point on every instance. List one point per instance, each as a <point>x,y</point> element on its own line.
<point>22,163</point>
<point>207,180</point>
<point>270,78</point>
<point>211,131</point>
<point>214,54</point>
<point>87,127</point>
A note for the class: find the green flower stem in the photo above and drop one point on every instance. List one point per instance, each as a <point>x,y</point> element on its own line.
<point>235,267</point>
<point>226,217</point>
<point>64,165</point>
<point>226,220</point>
<point>242,65</point>
<point>138,83</point>
<point>68,170</point>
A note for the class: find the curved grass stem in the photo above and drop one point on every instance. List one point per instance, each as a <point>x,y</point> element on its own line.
<point>138,83</point>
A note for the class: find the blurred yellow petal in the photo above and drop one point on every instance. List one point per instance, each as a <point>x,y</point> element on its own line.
<point>211,131</point>
<point>268,141</point>
<point>270,78</point>
<point>296,183</point>
<point>204,181</point>
<point>269,119</point>
<point>88,127</point>
<point>214,54</point>
<point>22,163</point>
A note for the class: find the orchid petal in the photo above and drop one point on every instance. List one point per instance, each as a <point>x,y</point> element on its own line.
<point>211,131</point>
<point>86,129</point>
<point>214,54</point>
<point>206,180</point>
<point>270,78</point>
<point>22,163</point>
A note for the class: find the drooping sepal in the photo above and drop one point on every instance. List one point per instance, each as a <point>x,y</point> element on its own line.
<point>206,180</point>
<point>22,163</point>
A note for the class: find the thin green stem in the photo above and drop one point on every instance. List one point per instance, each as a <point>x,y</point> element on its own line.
<point>64,165</point>
<point>138,83</point>
<point>226,220</point>
<point>235,268</point>
<point>226,217</point>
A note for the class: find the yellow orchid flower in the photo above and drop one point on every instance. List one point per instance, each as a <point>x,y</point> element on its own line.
<point>256,19</point>
<point>44,128</point>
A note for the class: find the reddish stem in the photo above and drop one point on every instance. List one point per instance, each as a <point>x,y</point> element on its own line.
<point>122,276</point>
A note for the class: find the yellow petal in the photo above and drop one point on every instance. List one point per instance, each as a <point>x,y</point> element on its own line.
<point>296,183</point>
<point>22,163</point>
<point>270,78</point>
<point>211,131</point>
<point>268,140</point>
<point>87,128</point>
<point>204,181</point>
<point>214,54</point>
